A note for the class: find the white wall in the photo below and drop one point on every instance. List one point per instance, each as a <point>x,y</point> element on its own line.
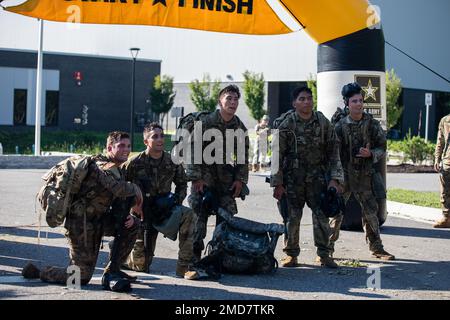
<point>22,78</point>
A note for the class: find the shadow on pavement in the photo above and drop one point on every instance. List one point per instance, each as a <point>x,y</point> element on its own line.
<point>31,233</point>
<point>416,232</point>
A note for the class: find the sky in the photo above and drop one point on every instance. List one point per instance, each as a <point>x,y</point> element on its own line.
<point>418,27</point>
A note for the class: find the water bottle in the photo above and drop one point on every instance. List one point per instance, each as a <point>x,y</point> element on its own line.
<point>1,149</point>
<point>17,149</point>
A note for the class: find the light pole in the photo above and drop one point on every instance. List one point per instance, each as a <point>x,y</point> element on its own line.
<point>134,54</point>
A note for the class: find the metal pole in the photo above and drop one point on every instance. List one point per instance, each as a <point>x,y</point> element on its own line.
<point>426,122</point>
<point>132,105</point>
<point>37,133</point>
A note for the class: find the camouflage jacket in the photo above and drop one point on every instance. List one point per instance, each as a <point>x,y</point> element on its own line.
<point>307,149</point>
<point>354,135</point>
<point>442,152</point>
<point>155,176</point>
<point>103,183</point>
<point>211,173</point>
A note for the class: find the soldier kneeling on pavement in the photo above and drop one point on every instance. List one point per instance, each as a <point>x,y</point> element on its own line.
<point>101,207</point>
<point>154,171</point>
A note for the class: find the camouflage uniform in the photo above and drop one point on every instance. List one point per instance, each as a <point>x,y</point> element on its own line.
<point>155,177</point>
<point>359,171</point>
<point>442,156</point>
<point>89,220</point>
<point>218,177</point>
<point>308,152</point>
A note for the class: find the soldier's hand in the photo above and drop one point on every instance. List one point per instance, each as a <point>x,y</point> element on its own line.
<point>278,192</point>
<point>198,185</point>
<point>129,222</point>
<point>237,187</point>
<point>437,167</point>
<point>365,152</point>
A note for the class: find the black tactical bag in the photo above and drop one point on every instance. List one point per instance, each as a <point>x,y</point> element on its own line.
<point>241,246</point>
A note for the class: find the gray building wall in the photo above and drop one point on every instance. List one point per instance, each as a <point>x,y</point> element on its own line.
<point>105,87</point>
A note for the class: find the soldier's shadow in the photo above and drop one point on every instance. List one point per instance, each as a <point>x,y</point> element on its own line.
<point>416,232</point>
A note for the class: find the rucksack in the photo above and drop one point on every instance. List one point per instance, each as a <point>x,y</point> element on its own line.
<point>241,246</point>
<point>61,183</point>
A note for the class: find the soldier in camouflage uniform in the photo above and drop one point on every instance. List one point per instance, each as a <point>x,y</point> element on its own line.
<point>442,165</point>
<point>154,171</point>
<point>89,217</point>
<point>308,154</point>
<point>362,143</point>
<point>223,178</point>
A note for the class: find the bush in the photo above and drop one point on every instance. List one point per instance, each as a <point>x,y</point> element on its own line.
<point>414,148</point>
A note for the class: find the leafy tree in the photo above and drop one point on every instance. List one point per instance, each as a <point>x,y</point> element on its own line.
<point>393,91</point>
<point>204,94</point>
<point>311,82</point>
<point>254,94</point>
<point>162,96</point>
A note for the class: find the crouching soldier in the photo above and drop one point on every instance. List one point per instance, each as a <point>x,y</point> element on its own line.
<point>154,171</point>
<point>101,207</point>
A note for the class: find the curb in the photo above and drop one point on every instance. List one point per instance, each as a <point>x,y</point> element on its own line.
<point>412,212</point>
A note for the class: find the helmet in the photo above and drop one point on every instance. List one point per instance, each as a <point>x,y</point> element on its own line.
<point>349,90</point>
<point>265,118</point>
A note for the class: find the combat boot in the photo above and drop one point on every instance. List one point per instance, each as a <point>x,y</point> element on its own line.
<point>289,262</point>
<point>115,282</point>
<point>53,275</point>
<point>383,255</point>
<point>327,262</point>
<point>187,273</point>
<point>30,271</point>
<point>126,276</point>
<point>443,223</point>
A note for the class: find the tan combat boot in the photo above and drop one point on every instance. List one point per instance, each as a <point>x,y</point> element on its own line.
<point>327,262</point>
<point>30,271</point>
<point>443,223</point>
<point>187,273</point>
<point>383,255</point>
<point>289,262</point>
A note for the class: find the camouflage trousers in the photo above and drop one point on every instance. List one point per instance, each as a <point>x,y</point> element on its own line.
<point>84,244</point>
<point>444,179</point>
<point>226,202</point>
<point>137,258</point>
<point>297,196</point>
<point>370,223</point>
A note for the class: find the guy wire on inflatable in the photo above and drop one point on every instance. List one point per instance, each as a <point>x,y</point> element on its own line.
<point>348,32</point>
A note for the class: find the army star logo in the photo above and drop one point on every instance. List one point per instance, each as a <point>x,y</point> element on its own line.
<point>163,2</point>
<point>370,91</point>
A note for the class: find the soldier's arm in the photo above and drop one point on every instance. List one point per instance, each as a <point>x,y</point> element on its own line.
<point>378,142</point>
<point>440,143</point>
<point>180,181</point>
<point>333,143</point>
<point>279,152</point>
<point>119,188</point>
<point>242,169</point>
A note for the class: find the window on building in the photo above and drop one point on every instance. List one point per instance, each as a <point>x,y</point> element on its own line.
<point>20,107</point>
<point>51,108</point>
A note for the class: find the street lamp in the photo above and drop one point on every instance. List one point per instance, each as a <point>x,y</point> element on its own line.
<point>134,54</point>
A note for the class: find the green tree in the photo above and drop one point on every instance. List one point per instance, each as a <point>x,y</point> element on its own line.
<point>311,82</point>
<point>393,91</point>
<point>162,96</point>
<point>254,94</point>
<point>204,94</point>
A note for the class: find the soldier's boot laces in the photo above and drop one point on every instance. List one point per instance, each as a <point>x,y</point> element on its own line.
<point>443,223</point>
<point>289,262</point>
<point>30,271</point>
<point>383,255</point>
<point>188,273</point>
<point>327,262</point>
